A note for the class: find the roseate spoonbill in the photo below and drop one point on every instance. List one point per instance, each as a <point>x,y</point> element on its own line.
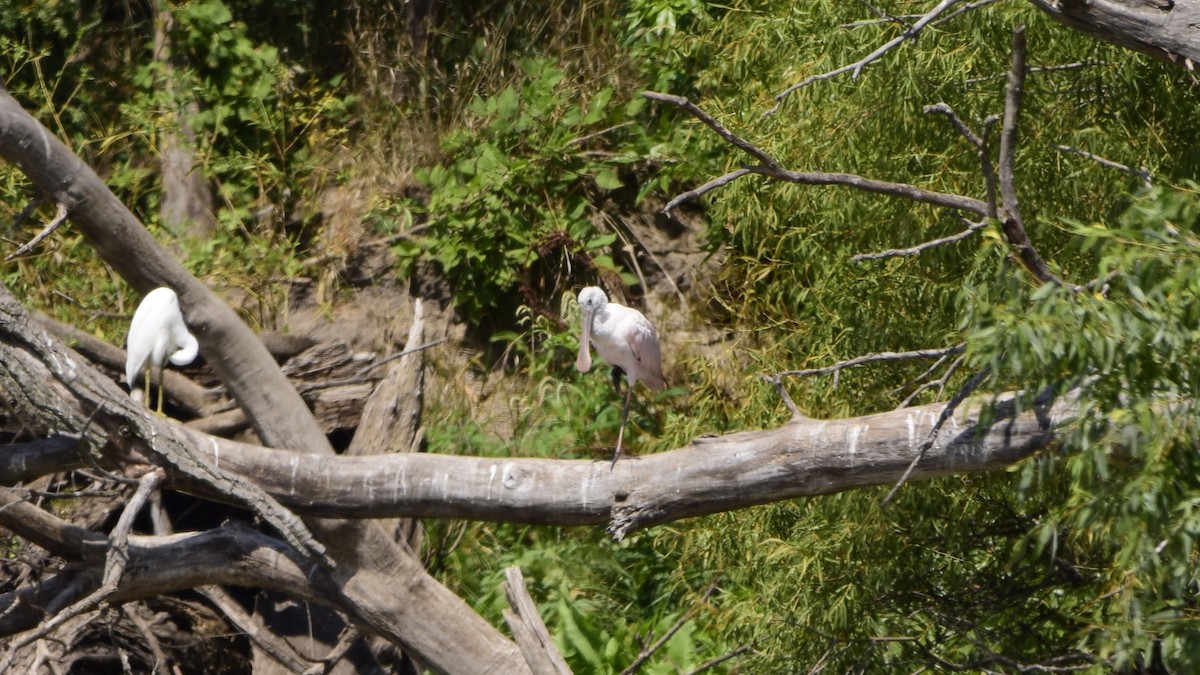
<point>157,333</point>
<point>626,340</point>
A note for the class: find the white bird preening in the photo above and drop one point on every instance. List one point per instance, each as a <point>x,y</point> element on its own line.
<point>626,340</point>
<point>157,333</point>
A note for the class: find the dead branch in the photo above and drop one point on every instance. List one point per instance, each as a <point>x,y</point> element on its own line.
<point>114,568</point>
<point>770,168</point>
<point>1142,173</point>
<point>258,633</point>
<point>979,141</point>
<point>940,383</point>
<point>1011,222</point>
<point>704,189</point>
<point>783,394</point>
<point>730,137</point>
<point>711,474</point>
<point>530,631</point>
<point>875,358</point>
<point>972,228</point>
<point>59,217</point>
<point>910,33</point>
<point>1164,29</point>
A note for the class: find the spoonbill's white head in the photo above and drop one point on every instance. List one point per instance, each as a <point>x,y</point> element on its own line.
<point>592,300</point>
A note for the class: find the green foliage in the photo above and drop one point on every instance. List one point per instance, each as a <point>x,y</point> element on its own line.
<point>513,205</point>
<point>1082,557</point>
<point>258,120</point>
<point>1129,462</point>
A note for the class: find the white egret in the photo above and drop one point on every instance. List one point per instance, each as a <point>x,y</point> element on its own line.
<point>157,333</point>
<point>626,340</point>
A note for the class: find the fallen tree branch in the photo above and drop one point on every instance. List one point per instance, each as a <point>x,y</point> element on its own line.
<point>804,457</point>
<point>114,567</point>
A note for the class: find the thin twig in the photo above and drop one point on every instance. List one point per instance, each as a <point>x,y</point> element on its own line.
<point>363,373</point>
<point>704,189</point>
<point>873,358</point>
<point>856,68</point>
<point>713,663</point>
<point>972,228</point>
<point>787,398</point>
<point>947,413</point>
<point>1042,69</point>
<point>888,17</point>
<point>940,383</point>
<point>346,639</point>
<point>1142,172</point>
<point>59,217</point>
<point>730,137</point>
<point>970,6</point>
<point>271,644</point>
<point>647,652</point>
<point>583,139</point>
<point>981,149</point>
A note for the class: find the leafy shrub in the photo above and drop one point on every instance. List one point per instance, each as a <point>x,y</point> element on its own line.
<point>514,202</point>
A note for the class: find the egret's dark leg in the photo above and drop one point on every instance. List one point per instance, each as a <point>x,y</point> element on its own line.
<point>617,374</point>
<point>624,418</point>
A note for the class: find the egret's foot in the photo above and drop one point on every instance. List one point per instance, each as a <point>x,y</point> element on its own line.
<point>159,410</point>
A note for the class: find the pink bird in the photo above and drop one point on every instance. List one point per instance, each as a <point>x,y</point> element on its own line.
<point>626,340</point>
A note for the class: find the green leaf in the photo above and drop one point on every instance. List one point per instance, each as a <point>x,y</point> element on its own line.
<point>607,179</point>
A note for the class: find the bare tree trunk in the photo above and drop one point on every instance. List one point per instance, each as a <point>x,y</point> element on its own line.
<point>187,202</point>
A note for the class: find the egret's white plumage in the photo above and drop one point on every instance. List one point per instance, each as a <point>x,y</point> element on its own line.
<point>625,339</point>
<point>156,334</point>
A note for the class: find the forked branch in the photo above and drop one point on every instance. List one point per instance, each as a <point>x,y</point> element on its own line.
<point>910,33</point>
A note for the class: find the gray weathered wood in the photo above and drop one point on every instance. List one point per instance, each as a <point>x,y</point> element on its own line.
<point>527,627</point>
<point>1164,29</point>
<point>805,457</point>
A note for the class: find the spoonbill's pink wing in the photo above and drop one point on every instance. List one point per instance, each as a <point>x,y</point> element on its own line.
<point>643,342</point>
